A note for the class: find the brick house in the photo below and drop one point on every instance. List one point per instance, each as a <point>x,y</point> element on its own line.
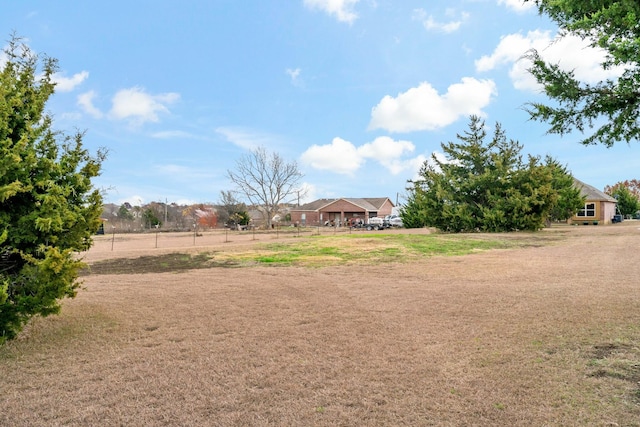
<point>598,208</point>
<point>337,211</point>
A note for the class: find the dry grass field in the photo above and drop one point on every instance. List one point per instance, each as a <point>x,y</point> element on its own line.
<point>545,332</point>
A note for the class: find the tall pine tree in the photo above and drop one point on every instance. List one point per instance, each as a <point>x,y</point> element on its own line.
<point>48,206</point>
<point>483,185</point>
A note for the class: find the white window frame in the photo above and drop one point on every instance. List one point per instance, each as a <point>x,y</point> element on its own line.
<point>588,211</point>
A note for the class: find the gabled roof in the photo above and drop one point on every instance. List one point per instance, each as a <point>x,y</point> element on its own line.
<point>592,193</point>
<point>369,204</point>
<point>315,205</point>
<point>375,202</point>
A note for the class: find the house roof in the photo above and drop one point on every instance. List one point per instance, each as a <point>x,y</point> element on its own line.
<point>315,205</point>
<point>592,193</point>
<point>368,204</point>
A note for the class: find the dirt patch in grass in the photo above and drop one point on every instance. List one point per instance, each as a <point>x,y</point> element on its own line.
<point>542,332</point>
<point>163,263</point>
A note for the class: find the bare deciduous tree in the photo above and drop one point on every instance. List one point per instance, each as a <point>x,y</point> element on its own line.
<point>266,180</point>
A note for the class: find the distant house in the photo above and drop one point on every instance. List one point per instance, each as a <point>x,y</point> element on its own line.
<point>337,211</point>
<point>598,207</point>
<point>258,215</point>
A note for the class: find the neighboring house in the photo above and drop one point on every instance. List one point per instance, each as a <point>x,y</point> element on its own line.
<point>258,219</point>
<point>598,206</point>
<point>337,211</point>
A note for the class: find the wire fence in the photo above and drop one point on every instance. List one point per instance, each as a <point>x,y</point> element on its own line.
<point>113,240</point>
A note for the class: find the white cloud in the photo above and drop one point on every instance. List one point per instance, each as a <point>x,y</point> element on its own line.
<point>245,138</point>
<point>389,153</point>
<point>511,48</point>
<point>294,74</point>
<point>340,157</point>
<point>422,108</point>
<point>308,193</point>
<point>67,84</point>
<point>517,5</point>
<point>414,165</point>
<point>138,107</point>
<point>345,158</point>
<point>431,24</point>
<point>570,52</point>
<point>85,101</point>
<point>384,146</point>
<point>342,9</point>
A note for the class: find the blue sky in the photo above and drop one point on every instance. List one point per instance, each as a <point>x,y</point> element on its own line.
<point>358,92</point>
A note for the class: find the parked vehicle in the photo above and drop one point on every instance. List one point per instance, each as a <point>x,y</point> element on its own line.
<point>374,223</point>
<point>393,221</point>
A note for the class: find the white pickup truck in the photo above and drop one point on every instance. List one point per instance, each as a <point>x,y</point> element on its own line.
<point>374,223</point>
<point>377,223</point>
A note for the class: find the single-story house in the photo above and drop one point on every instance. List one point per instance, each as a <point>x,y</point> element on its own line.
<point>599,207</point>
<point>339,211</point>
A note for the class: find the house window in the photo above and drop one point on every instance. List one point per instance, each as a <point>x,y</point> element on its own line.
<point>589,210</point>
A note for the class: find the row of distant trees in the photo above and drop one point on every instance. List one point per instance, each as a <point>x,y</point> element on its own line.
<point>265,179</point>
<point>229,212</point>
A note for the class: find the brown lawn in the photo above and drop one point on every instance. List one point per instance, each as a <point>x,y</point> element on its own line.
<point>535,336</point>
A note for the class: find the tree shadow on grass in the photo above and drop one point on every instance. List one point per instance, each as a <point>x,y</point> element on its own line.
<point>166,263</point>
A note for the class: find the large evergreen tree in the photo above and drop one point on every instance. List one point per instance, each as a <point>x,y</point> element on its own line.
<point>48,206</point>
<point>569,198</point>
<point>484,185</point>
<point>612,106</point>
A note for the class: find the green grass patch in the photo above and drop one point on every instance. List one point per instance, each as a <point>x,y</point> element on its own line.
<point>318,251</point>
<point>367,249</point>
